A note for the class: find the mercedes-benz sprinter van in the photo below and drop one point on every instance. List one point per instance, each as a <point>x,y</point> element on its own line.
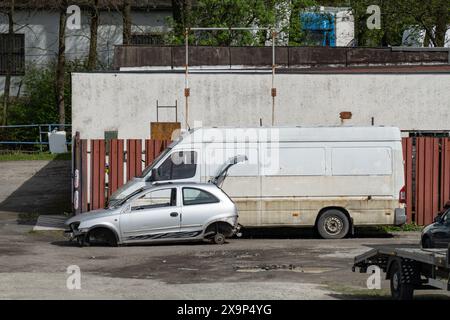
<point>331,178</point>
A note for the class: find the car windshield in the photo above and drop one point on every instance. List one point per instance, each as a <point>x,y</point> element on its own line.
<point>150,167</point>
<point>131,195</point>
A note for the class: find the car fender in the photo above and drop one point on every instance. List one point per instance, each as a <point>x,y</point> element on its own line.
<point>87,227</point>
<point>226,218</point>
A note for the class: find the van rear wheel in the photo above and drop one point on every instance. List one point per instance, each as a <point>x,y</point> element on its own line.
<point>333,224</point>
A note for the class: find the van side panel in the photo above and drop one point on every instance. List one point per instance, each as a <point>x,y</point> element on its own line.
<point>362,177</point>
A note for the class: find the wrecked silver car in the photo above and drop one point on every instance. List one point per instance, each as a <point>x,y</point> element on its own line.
<point>164,212</point>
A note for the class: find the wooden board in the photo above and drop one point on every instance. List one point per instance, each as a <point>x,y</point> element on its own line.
<point>163,130</point>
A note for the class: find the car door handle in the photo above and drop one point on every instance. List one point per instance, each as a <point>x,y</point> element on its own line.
<point>174,214</point>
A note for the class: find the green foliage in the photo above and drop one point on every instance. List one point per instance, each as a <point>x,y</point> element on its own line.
<point>396,17</point>
<point>21,156</point>
<point>37,102</point>
<point>239,13</point>
<point>409,227</point>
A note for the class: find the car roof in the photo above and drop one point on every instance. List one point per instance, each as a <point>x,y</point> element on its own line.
<point>180,184</point>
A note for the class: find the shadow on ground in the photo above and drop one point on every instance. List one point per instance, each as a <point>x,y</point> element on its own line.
<point>35,187</point>
<point>306,233</point>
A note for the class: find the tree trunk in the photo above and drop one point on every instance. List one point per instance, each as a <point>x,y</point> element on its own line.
<point>126,14</point>
<point>7,87</point>
<point>181,12</point>
<point>60,68</point>
<point>92,59</point>
<point>442,17</point>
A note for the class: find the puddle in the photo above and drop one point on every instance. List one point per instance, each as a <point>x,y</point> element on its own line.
<point>290,267</point>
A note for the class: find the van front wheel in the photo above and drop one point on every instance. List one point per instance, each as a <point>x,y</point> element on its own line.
<point>333,224</point>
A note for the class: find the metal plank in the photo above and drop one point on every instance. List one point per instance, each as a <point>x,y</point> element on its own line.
<point>428,188</point>
<point>445,172</point>
<point>134,158</point>
<point>435,178</point>
<point>84,201</point>
<point>420,180</point>
<point>115,165</point>
<point>409,179</point>
<point>97,174</point>
<point>149,151</point>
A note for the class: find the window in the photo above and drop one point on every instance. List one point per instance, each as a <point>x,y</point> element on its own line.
<point>193,196</point>
<point>179,165</point>
<point>12,54</point>
<point>156,199</point>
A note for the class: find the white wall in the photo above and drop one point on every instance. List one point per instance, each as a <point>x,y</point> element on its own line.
<point>41,35</point>
<point>127,101</point>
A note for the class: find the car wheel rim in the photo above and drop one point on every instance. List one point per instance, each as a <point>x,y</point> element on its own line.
<point>333,225</point>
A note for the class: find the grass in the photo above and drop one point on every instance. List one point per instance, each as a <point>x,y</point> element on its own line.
<point>409,227</point>
<point>22,156</point>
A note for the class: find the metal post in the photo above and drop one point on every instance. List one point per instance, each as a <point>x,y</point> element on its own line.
<point>40,139</point>
<point>274,90</point>
<point>186,80</point>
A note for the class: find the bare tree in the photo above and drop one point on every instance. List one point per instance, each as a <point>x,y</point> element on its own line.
<point>94,14</point>
<point>7,88</point>
<point>61,63</point>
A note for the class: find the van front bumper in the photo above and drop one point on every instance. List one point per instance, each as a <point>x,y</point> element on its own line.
<point>400,216</point>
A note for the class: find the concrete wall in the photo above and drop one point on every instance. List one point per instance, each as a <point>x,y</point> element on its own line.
<point>41,35</point>
<point>127,101</point>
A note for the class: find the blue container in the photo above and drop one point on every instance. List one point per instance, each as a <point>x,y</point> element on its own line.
<point>319,28</point>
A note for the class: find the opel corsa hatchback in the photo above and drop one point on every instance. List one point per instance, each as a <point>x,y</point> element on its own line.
<point>169,212</point>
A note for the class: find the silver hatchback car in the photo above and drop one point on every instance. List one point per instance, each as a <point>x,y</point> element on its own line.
<point>168,212</point>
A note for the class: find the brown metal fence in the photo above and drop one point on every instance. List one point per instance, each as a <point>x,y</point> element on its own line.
<point>427,177</point>
<point>99,171</point>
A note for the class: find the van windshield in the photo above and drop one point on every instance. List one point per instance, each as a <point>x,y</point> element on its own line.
<point>150,167</point>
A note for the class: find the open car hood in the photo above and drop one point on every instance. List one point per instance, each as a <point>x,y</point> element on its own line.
<point>223,170</point>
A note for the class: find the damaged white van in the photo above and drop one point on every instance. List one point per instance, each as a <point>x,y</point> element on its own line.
<point>330,178</point>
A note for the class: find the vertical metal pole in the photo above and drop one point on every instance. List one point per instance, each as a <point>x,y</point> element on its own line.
<point>40,139</point>
<point>274,90</point>
<point>186,80</point>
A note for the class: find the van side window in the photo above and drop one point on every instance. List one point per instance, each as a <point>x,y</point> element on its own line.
<point>192,196</point>
<point>180,165</point>
<point>155,199</point>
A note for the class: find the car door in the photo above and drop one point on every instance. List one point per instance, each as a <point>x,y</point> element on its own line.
<point>198,206</point>
<point>151,215</point>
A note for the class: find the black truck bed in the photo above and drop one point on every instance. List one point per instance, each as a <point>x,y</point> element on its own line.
<point>435,257</point>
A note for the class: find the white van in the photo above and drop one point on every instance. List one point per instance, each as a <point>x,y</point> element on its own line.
<point>332,178</point>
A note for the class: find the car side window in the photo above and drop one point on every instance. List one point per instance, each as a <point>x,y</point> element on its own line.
<point>193,196</point>
<point>179,165</point>
<point>155,199</point>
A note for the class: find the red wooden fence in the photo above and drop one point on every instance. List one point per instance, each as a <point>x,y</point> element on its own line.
<point>119,165</point>
<point>427,172</point>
